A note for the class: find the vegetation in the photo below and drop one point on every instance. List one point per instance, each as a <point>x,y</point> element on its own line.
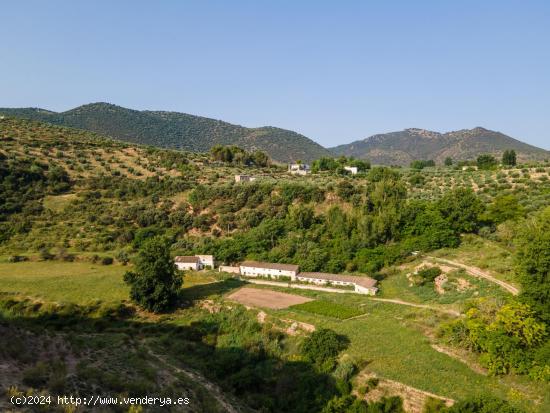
<point>177,130</point>
<point>79,210</point>
<point>328,309</point>
<point>154,283</point>
<point>486,162</point>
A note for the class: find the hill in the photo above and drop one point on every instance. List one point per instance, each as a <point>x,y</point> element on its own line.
<point>177,130</point>
<point>400,148</point>
<point>76,208</point>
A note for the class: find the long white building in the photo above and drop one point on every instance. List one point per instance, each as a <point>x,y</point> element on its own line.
<point>268,269</point>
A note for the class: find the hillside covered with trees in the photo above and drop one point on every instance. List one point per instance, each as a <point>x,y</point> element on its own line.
<point>177,130</point>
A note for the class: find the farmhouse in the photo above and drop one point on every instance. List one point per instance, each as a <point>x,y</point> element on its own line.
<point>299,169</point>
<point>351,169</point>
<point>268,269</point>
<point>362,285</point>
<point>194,262</point>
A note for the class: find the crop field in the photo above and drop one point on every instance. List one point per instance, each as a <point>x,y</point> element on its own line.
<point>328,309</point>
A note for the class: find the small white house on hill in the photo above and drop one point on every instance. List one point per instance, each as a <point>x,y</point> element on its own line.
<point>299,169</point>
<point>351,169</point>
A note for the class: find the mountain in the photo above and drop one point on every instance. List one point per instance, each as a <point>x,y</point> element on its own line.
<point>177,130</point>
<point>400,148</point>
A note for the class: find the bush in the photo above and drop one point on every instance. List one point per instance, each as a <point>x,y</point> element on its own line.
<point>17,258</point>
<point>429,274</point>
<point>107,260</point>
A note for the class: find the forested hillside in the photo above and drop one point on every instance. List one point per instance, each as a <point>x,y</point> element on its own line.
<point>401,148</point>
<point>177,130</point>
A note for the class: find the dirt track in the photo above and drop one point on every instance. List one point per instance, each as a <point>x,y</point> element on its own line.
<point>477,272</point>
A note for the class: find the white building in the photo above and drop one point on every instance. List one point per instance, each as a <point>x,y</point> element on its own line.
<point>186,262</point>
<point>299,168</point>
<point>362,285</point>
<point>351,169</point>
<point>194,262</point>
<point>244,178</point>
<point>268,269</point>
<point>206,261</point>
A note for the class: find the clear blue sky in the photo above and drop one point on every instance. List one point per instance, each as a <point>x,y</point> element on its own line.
<point>335,71</point>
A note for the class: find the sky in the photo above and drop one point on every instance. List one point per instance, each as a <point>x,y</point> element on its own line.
<point>335,71</point>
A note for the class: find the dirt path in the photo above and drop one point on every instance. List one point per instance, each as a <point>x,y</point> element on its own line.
<point>429,307</point>
<point>214,390</point>
<point>476,272</point>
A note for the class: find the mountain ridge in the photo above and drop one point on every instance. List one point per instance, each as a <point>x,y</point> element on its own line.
<point>403,147</point>
<point>177,130</point>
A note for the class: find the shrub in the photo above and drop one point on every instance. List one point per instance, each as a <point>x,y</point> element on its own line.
<point>429,274</point>
<point>107,260</point>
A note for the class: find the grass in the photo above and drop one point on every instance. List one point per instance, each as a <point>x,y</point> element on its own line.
<point>328,309</point>
<point>398,286</point>
<point>391,339</point>
<point>76,282</point>
<point>484,254</point>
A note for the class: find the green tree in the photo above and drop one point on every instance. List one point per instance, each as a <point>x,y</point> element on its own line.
<point>448,161</point>
<point>509,158</point>
<point>503,208</point>
<point>486,161</point>
<point>154,282</point>
<point>483,404</point>
<point>533,263</point>
<point>462,209</point>
<point>322,348</point>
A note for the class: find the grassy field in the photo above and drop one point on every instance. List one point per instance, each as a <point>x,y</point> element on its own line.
<point>75,282</point>
<point>390,338</point>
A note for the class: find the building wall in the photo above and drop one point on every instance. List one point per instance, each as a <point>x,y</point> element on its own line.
<point>187,266</point>
<point>265,272</point>
<point>230,269</point>
<point>206,260</point>
<point>364,290</point>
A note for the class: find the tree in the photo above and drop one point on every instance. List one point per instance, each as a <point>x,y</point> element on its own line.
<point>509,157</point>
<point>462,209</point>
<point>503,208</point>
<point>154,283</point>
<point>486,161</point>
<point>533,263</point>
<point>322,348</point>
<point>483,404</point>
<point>448,161</point>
